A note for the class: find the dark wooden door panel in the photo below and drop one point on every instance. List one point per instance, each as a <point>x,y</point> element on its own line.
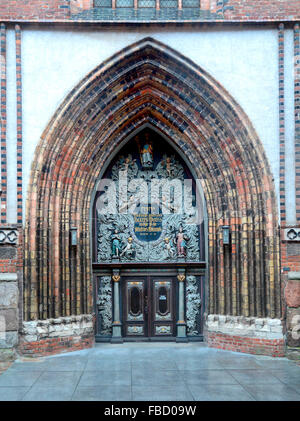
<point>163,314</point>
<point>135,307</point>
<point>149,306</point>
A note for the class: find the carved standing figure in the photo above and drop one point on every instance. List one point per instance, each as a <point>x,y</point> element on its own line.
<point>168,247</point>
<point>147,159</point>
<point>146,152</point>
<point>129,250</point>
<point>116,244</point>
<point>180,242</point>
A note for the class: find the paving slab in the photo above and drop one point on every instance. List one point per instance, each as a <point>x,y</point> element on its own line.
<point>62,379</point>
<point>12,378</point>
<point>198,363</point>
<point>272,392</point>
<point>65,365</point>
<point>238,363</point>
<point>149,377</point>
<point>159,393</point>
<point>12,393</point>
<point>108,364</point>
<point>159,364</point>
<point>254,377</point>
<point>275,363</point>
<point>289,376</point>
<point>105,378</point>
<point>220,393</point>
<point>54,393</point>
<point>40,365</point>
<point>207,377</point>
<point>103,393</point>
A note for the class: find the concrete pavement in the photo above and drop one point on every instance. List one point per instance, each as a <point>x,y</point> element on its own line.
<point>150,372</point>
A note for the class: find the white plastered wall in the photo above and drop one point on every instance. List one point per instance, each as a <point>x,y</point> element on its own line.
<point>244,61</point>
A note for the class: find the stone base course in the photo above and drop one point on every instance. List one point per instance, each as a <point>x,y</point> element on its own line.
<point>9,311</point>
<point>64,334</point>
<point>246,334</point>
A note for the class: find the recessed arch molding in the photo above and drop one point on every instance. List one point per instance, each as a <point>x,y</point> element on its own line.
<point>150,83</point>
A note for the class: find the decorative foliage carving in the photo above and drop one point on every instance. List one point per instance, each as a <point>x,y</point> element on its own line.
<point>174,236</point>
<point>162,330</point>
<point>104,303</point>
<point>135,330</point>
<point>193,303</point>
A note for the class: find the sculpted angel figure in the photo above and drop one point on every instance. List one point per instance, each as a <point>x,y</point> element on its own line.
<point>129,250</point>
<point>127,165</point>
<point>168,247</point>
<point>146,151</point>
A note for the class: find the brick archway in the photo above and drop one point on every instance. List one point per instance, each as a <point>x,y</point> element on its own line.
<point>148,82</point>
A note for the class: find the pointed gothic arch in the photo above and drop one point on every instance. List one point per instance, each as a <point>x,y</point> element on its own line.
<point>149,82</point>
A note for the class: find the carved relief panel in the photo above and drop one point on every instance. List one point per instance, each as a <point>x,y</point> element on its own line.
<point>147,211</point>
<point>104,305</point>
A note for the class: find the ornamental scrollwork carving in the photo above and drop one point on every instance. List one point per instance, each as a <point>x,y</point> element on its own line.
<point>121,235</point>
<point>116,278</point>
<point>8,236</point>
<point>193,303</point>
<point>104,303</point>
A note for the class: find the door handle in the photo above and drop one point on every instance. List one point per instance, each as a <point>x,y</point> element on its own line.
<point>146,304</point>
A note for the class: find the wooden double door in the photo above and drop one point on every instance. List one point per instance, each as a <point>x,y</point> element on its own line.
<point>149,306</point>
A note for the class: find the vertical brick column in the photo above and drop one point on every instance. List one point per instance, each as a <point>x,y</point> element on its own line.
<point>3,125</point>
<point>19,123</point>
<point>281,124</point>
<point>297,117</point>
<point>219,7</point>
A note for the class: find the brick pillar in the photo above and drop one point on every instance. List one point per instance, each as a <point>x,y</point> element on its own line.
<point>3,124</point>
<point>297,115</point>
<point>281,124</point>
<point>19,125</point>
<point>219,7</point>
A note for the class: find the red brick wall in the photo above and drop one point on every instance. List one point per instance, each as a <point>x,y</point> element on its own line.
<point>289,262</point>
<point>233,9</point>
<point>274,348</point>
<point>55,346</point>
<point>14,264</point>
<point>34,9</point>
<point>79,5</point>
<point>261,9</point>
